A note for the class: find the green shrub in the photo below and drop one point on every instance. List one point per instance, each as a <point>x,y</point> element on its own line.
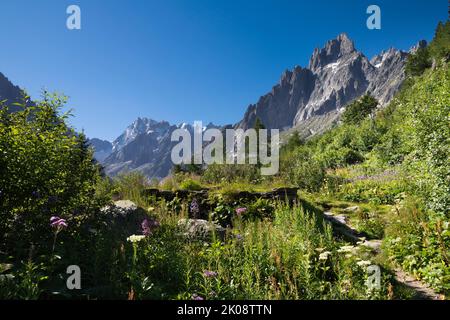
<point>419,241</point>
<point>359,110</point>
<point>190,184</point>
<point>376,192</point>
<point>46,169</point>
<point>418,62</point>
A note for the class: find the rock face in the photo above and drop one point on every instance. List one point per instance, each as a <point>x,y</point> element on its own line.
<point>337,74</point>
<point>145,146</point>
<point>102,148</point>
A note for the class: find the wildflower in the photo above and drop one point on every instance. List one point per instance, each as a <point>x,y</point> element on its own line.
<point>346,249</point>
<point>239,237</point>
<point>197,297</point>
<point>324,255</point>
<point>195,209</point>
<point>58,223</point>
<point>36,194</point>
<point>209,274</point>
<point>364,263</point>
<point>148,226</point>
<point>135,238</point>
<point>240,211</point>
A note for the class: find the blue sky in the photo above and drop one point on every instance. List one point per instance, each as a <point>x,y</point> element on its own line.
<point>185,60</point>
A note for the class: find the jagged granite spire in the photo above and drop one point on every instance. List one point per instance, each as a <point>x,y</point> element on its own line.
<point>333,50</point>
<point>337,74</point>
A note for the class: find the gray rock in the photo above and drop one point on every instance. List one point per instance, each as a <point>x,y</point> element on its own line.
<point>197,229</point>
<point>145,146</point>
<point>124,217</point>
<point>352,209</point>
<point>102,148</point>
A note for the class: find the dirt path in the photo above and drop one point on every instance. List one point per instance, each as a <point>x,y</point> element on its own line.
<point>422,291</point>
<point>341,226</point>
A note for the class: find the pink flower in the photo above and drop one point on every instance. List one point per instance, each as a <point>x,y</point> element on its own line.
<point>148,226</point>
<point>209,274</point>
<point>197,297</point>
<point>240,211</point>
<point>58,223</point>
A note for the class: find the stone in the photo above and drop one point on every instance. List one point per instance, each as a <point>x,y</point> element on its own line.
<point>198,229</point>
<point>351,209</point>
<point>124,217</point>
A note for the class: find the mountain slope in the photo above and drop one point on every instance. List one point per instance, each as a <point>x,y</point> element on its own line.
<point>9,92</point>
<point>144,146</point>
<point>337,74</point>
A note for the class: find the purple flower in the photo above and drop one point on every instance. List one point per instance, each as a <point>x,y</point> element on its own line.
<point>58,223</point>
<point>197,297</point>
<point>240,211</point>
<point>148,226</point>
<point>36,194</point>
<point>239,237</point>
<point>195,209</point>
<point>53,219</point>
<point>209,274</point>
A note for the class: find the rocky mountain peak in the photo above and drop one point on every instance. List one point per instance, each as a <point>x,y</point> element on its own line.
<point>138,127</point>
<point>333,50</point>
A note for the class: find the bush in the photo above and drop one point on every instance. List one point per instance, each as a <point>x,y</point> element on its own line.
<point>221,173</point>
<point>307,172</point>
<point>46,169</point>
<point>190,184</point>
<point>418,62</point>
<point>418,240</point>
<point>357,111</point>
<point>376,192</point>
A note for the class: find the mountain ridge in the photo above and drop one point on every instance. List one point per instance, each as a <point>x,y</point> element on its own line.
<point>308,100</point>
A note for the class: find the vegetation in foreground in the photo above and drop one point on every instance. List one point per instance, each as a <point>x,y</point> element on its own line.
<point>389,167</point>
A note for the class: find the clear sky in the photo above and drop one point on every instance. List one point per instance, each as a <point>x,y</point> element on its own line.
<point>185,60</point>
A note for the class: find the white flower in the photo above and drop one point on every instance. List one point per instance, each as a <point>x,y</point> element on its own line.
<point>346,249</point>
<point>364,263</point>
<point>134,238</point>
<point>324,255</point>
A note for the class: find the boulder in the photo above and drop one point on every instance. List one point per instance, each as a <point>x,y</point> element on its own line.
<point>124,217</point>
<point>198,229</point>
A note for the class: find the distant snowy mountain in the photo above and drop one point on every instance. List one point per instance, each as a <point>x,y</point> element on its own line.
<point>144,146</point>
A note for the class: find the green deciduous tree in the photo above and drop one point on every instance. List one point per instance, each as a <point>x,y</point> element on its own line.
<point>46,169</point>
<point>360,109</point>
